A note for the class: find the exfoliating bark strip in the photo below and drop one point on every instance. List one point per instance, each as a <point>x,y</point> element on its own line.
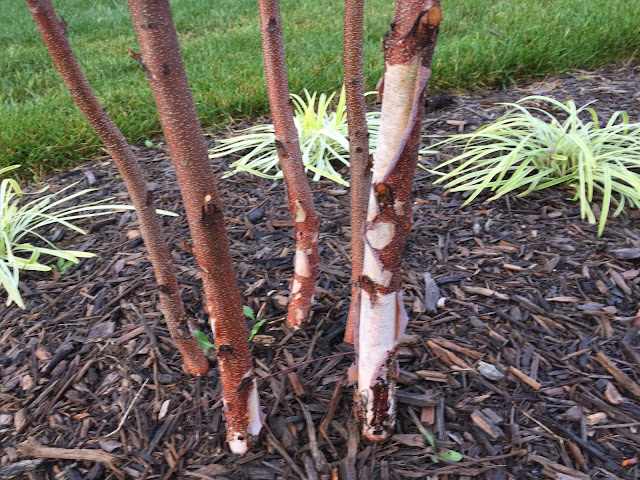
<point>162,62</point>
<point>359,158</point>
<point>53,32</point>
<point>301,205</point>
<point>408,49</point>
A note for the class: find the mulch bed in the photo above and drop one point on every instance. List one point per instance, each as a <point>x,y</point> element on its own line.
<point>529,289</point>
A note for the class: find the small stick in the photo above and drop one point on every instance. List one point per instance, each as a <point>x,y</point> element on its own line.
<point>281,450</point>
<point>331,410</point>
<point>34,449</point>
<point>319,459</point>
<point>126,414</point>
<point>577,454</point>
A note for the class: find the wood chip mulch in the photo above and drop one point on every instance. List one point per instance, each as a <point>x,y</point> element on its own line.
<point>529,367</point>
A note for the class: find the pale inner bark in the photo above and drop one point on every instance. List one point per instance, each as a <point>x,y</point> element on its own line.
<point>301,262</point>
<point>377,337</point>
<point>383,318</point>
<point>381,235</point>
<point>399,87</point>
<point>300,214</point>
<point>238,442</point>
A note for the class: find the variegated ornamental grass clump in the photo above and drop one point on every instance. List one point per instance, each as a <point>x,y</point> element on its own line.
<point>322,133</point>
<point>22,223</point>
<point>530,149</point>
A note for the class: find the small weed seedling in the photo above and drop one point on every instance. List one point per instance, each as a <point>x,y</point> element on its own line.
<point>61,266</point>
<point>259,319</point>
<point>150,144</point>
<point>204,341</point>
<point>450,455</point>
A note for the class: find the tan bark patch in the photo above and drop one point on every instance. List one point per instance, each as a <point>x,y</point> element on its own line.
<point>299,215</point>
<point>381,235</point>
<point>302,266</point>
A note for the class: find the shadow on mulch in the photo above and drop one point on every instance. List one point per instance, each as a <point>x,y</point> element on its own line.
<point>529,289</point>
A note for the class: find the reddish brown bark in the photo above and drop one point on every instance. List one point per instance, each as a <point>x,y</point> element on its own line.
<point>408,51</point>
<point>298,190</point>
<point>162,62</point>
<point>54,35</point>
<point>360,168</point>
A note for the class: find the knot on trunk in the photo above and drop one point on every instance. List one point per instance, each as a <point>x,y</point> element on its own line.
<point>384,195</point>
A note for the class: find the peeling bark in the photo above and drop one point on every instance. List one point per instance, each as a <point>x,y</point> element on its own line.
<point>53,32</point>
<point>162,60</point>
<point>359,159</point>
<point>408,49</point>
<point>296,181</point>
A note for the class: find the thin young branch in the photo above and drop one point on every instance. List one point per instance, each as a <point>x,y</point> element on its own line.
<point>360,168</point>
<point>53,32</point>
<point>298,190</point>
<point>162,60</point>
<point>408,51</point>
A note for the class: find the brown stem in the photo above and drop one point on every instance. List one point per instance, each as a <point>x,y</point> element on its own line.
<point>54,35</point>
<point>360,167</point>
<point>161,57</point>
<point>298,190</point>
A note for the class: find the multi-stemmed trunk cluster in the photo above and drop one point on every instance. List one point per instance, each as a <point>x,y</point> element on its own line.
<point>54,35</point>
<point>380,200</point>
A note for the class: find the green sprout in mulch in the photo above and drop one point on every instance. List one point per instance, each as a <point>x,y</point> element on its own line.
<point>248,312</point>
<point>529,149</point>
<point>450,455</point>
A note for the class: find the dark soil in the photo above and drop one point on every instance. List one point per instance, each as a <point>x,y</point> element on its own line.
<point>529,288</point>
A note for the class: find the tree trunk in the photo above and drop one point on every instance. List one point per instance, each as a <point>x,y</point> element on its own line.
<point>408,49</point>
<point>54,35</point>
<point>360,168</point>
<point>300,201</point>
<point>162,62</point>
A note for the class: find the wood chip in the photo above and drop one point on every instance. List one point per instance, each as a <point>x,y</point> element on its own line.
<point>558,469</point>
<point>525,378</point>
<point>445,356</point>
<point>485,292</point>
<point>485,423</point>
<point>431,293</point>
<point>458,348</point>
<point>432,376</point>
<point>428,415</point>
<point>20,420</point>
<point>626,253</point>
<point>563,299</point>
<point>612,394</point>
<point>410,440</point>
<point>620,281</point>
<point>622,378</point>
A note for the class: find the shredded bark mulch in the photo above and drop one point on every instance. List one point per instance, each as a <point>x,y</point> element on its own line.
<point>522,351</point>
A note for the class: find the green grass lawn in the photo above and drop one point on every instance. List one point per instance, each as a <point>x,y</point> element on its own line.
<point>483,43</point>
